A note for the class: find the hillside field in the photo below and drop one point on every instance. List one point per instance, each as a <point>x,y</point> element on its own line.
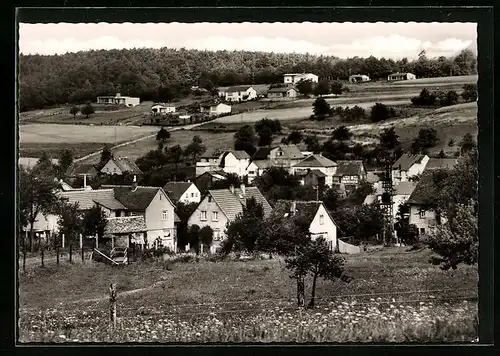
<point>240,294</point>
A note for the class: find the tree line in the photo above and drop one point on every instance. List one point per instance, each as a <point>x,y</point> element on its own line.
<point>165,74</point>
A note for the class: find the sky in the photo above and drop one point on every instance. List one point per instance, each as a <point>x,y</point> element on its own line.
<point>389,40</point>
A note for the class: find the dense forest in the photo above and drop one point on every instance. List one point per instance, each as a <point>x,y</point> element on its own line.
<point>164,74</point>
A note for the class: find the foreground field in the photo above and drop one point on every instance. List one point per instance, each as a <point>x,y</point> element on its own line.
<point>395,296</point>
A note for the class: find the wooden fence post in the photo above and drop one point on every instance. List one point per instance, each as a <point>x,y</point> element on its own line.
<point>63,241</point>
<point>112,304</point>
<point>57,250</point>
<point>81,241</point>
<point>96,241</point>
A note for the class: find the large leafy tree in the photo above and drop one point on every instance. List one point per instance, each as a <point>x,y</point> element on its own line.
<point>245,139</point>
<point>244,232</point>
<point>175,155</point>
<point>312,144</point>
<point>195,149</point>
<point>64,162</point>
<point>94,222</point>
<point>305,87</point>
<point>162,135</point>
<point>321,108</point>
<point>183,211</point>
<point>87,110</point>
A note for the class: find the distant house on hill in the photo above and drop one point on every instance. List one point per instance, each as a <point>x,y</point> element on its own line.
<point>400,76</point>
<point>294,78</point>
<point>162,109</point>
<point>408,166</point>
<point>214,108</point>
<point>118,99</point>
<point>359,78</point>
<point>240,93</point>
<point>120,166</point>
<point>282,92</point>
<point>185,192</point>
<point>221,206</point>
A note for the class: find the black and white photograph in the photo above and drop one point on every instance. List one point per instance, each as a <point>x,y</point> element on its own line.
<point>241,182</point>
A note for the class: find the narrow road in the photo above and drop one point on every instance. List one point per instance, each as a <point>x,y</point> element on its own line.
<point>93,154</point>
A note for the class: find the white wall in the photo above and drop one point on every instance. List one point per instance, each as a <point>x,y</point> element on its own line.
<point>428,222</point>
<point>157,227</point>
<point>130,101</point>
<point>191,195</point>
<point>210,207</point>
<point>111,168</point>
<point>327,229</point>
<point>235,166</point>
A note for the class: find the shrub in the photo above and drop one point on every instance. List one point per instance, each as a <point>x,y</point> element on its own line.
<point>379,112</point>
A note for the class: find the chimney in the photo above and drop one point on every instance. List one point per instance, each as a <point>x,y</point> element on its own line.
<point>242,187</point>
<point>293,208</point>
<point>134,183</point>
<point>231,188</point>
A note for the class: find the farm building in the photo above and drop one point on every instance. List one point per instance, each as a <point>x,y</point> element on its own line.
<point>162,109</point>
<point>294,78</point>
<point>240,93</point>
<point>121,165</point>
<point>222,206</point>
<point>359,78</point>
<point>282,92</point>
<point>124,231</point>
<point>185,192</point>
<point>118,99</point>
<point>400,76</point>
<point>215,108</point>
<point>407,166</point>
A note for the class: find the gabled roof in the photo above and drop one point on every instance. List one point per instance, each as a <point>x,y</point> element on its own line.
<point>212,154</point>
<point>237,154</point>
<point>349,168</point>
<point>390,75</point>
<point>175,189</point>
<point>282,89</point>
<point>303,209</point>
<point>424,191</point>
<point>291,151</point>
<point>238,88</point>
<point>138,199</point>
<point>254,192</point>
<point>221,175</point>
<point>210,103</point>
<point>405,188</point>
<point>126,165</point>
<point>316,160</point>
<point>262,164</point>
<point>317,173</point>
<point>439,163</point>
<point>77,169</point>
<point>406,161</point>
<point>125,225</point>
<point>87,199</point>
<point>262,153</point>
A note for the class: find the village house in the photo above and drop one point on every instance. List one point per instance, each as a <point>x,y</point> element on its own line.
<point>315,169</point>
<point>209,161</point>
<point>440,163</point>
<point>206,180</point>
<point>408,166</point>
<point>294,78</point>
<point>126,232</point>
<point>120,166</point>
<point>400,76</point>
<point>421,214</point>
<point>185,192</point>
<point>221,206</point>
<point>118,99</point>
<point>213,108</point>
<point>401,193</point>
<point>285,156</point>
<point>256,169</point>
<point>282,92</point>
<point>235,162</point>
<point>240,93</point>
<point>349,174</point>
<point>359,78</point>
<point>162,109</point>
<point>321,223</point>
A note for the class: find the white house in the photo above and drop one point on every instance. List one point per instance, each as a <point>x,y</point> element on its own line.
<point>162,109</point>
<point>316,162</point>
<point>235,162</point>
<point>209,161</point>
<point>215,108</point>
<point>400,76</point>
<point>221,206</point>
<point>359,78</point>
<point>401,193</point>
<point>120,165</point>
<point>408,166</point>
<point>282,92</point>
<point>285,156</point>
<point>256,169</point>
<point>185,192</point>
<point>118,99</point>
<point>294,78</point>
<point>240,93</point>
<point>321,223</point>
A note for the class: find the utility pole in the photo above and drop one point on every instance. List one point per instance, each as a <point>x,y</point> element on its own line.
<point>387,200</point>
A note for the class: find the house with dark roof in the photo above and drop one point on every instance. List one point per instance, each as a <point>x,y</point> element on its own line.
<point>407,166</point>
<point>401,193</point>
<point>222,206</point>
<point>240,93</point>
<point>422,214</point>
<point>285,156</point>
<point>235,162</point>
<point>282,92</point>
<point>209,161</point>
<point>206,180</point>
<point>185,192</point>
<point>315,214</point>
<point>126,230</point>
<point>348,174</point>
<point>120,166</point>
<point>440,163</point>
<point>315,165</point>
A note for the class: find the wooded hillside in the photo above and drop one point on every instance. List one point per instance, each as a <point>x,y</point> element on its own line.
<point>163,74</point>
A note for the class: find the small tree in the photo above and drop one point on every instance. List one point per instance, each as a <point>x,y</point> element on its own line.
<point>321,107</point>
<point>94,222</point>
<point>175,155</point>
<point>245,231</point>
<point>70,224</point>
<point>206,235</point>
<point>194,237</point>
<point>469,92</point>
<point>467,144</point>
<point>245,139</point>
<point>441,154</point>
<point>317,260</point>
<point>162,135</point>
<point>106,155</point>
<point>341,133</point>
<point>312,144</point>
<point>294,137</point>
<point>87,110</point>
<point>451,98</point>
<point>336,88</point>
<point>379,112</point>
<point>195,149</point>
<point>64,162</point>
<point>322,88</point>
<point>265,136</point>
<point>427,138</point>
<point>74,110</point>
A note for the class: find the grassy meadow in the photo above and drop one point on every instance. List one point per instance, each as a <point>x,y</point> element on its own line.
<point>395,296</point>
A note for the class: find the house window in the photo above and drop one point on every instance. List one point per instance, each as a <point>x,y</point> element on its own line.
<point>215,216</point>
<point>422,231</point>
<point>209,199</point>
<point>164,215</point>
<point>192,195</point>
<point>422,214</point>
<point>114,169</point>
<point>321,219</point>
<point>203,216</point>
